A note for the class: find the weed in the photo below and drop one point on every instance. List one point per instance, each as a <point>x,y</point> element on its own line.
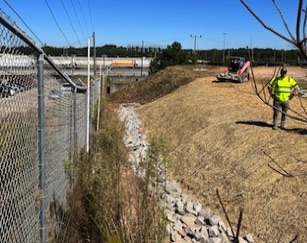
<point>109,203</point>
<point>69,169</point>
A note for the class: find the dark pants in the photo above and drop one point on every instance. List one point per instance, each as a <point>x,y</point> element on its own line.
<point>278,107</point>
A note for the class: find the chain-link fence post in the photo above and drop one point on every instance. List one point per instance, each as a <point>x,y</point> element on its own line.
<point>88,101</point>
<point>71,125</point>
<point>41,144</point>
<point>98,104</point>
<point>75,115</point>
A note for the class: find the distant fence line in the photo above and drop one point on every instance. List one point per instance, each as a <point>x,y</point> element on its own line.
<point>46,118</point>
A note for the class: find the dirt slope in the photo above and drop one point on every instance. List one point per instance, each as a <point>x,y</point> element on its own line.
<point>221,138</point>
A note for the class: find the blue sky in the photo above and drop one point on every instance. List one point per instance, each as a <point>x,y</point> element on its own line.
<point>153,22</point>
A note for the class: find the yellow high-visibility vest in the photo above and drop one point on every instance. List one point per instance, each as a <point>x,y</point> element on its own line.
<point>282,87</point>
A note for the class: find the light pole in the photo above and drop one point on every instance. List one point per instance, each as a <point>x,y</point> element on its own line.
<point>252,49</point>
<point>104,60</point>
<point>142,59</point>
<point>224,34</point>
<point>195,37</point>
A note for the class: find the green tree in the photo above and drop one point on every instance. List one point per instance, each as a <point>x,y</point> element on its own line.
<point>172,55</point>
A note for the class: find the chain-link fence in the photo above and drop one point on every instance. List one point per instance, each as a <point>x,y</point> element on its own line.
<point>43,125</point>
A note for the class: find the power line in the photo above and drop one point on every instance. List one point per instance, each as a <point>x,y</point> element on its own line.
<point>70,22</point>
<point>89,6</point>
<point>23,22</point>
<point>83,18</point>
<point>78,19</point>
<point>57,23</point>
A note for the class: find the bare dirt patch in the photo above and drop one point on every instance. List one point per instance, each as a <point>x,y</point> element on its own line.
<point>221,138</point>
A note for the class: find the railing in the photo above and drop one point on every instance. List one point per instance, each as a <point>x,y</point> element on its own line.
<point>43,124</point>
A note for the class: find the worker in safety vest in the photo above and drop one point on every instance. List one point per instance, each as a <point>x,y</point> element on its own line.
<point>282,89</point>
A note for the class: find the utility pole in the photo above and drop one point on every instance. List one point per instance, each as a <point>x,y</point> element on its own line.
<point>195,37</point>
<point>224,34</point>
<point>72,64</point>
<point>142,59</point>
<point>94,46</point>
<point>252,49</point>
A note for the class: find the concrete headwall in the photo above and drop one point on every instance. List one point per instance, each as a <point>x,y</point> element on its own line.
<point>118,83</point>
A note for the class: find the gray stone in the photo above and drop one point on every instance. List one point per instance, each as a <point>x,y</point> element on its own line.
<point>187,239</point>
<point>177,226</point>
<point>249,238</point>
<point>225,238</point>
<point>169,199</point>
<point>195,228</point>
<point>222,226</point>
<point>185,198</point>
<point>182,232</point>
<point>206,212</point>
<point>171,217</point>
<point>213,231</point>
<point>168,229</point>
<point>175,194</point>
<point>190,208</point>
<point>197,207</point>
<point>214,240</point>
<point>188,220</point>
<point>229,232</point>
<point>202,234</point>
<point>200,220</point>
<point>168,189</point>
<point>180,208</point>
<point>241,240</point>
<point>214,220</point>
<point>175,236</point>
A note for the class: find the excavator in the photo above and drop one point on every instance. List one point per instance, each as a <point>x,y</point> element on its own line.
<point>237,71</point>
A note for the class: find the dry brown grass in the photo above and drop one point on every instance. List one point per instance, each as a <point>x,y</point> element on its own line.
<point>109,203</point>
<point>221,138</point>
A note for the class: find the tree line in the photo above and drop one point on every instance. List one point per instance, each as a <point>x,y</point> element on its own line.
<point>174,55</point>
<point>215,56</point>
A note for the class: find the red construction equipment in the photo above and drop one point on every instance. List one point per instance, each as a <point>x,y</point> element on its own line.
<point>237,71</point>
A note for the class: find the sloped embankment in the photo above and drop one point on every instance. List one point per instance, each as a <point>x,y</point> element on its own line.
<point>221,138</point>
<point>187,221</point>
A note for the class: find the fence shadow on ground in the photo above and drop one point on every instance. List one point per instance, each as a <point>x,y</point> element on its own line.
<point>301,131</point>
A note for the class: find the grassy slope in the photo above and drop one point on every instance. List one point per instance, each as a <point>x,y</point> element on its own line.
<point>221,138</point>
<point>158,85</point>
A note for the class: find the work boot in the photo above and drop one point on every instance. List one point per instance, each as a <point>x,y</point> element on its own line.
<point>274,127</point>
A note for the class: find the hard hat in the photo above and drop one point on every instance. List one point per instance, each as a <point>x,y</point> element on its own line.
<point>283,70</point>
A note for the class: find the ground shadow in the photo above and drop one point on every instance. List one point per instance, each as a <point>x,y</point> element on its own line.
<point>255,123</point>
<point>226,81</point>
<point>301,131</point>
